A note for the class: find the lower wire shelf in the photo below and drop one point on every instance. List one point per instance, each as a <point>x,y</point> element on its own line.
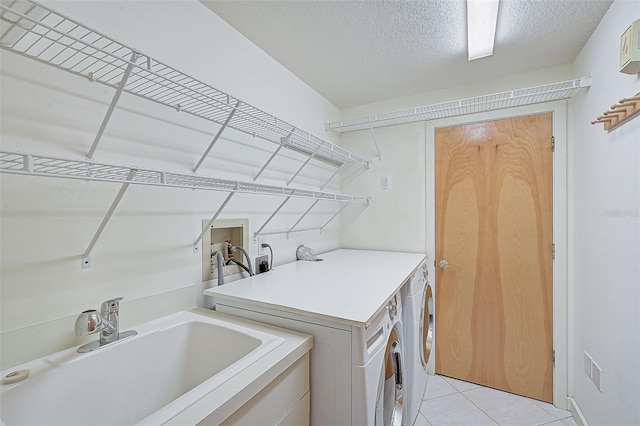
<point>87,170</point>
<point>34,165</point>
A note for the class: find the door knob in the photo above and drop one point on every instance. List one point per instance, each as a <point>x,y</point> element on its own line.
<point>443,264</point>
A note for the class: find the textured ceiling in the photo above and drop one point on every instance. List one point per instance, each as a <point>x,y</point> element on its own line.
<point>357,52</point>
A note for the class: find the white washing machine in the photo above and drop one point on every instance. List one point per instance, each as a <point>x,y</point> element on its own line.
<point>357,374</point>
<point>418,323</point>
<point>377,373</point>
<point>351,304</point>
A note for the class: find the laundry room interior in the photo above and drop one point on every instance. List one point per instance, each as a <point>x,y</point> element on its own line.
<point>403,233</point>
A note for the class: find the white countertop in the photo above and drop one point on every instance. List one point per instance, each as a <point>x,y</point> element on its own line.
<point>348,286</point>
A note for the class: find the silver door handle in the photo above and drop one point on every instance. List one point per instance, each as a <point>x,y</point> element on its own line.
<point>443,264</point>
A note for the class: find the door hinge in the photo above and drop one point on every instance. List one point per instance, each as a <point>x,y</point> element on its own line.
<point>553,357</point>
<point>553,251</point>
<point>553,143</point>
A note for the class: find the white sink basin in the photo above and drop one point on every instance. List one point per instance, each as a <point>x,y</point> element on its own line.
<point>151,378</point>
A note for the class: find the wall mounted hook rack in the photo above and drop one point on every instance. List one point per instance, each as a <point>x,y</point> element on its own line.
<point>624,110</point>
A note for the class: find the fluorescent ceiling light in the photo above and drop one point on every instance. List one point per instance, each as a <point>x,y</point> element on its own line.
<point>482,16</point>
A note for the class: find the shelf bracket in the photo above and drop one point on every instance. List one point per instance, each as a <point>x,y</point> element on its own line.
<point>86,256</point>
<point>375,142</point>
<point>272,216</point>
<point>332,176</point>
<point>283,143</point>
<point>302,217</point>
<point>313,154</point>
<point>208,226</point>
<point>216,137</point>
<point>333,217</point>
<point>114,102</point>
<point>27,163</point>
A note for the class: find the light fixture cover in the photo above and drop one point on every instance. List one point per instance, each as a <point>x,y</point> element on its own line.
<point>482,17</point>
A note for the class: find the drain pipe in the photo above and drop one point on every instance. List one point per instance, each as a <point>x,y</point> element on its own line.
<point>220,266</point>
<point>246,256</point>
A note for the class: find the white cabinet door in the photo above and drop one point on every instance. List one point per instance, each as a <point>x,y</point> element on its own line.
<point>330,364</point>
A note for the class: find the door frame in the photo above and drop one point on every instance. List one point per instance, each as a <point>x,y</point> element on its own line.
<point>560,202</point>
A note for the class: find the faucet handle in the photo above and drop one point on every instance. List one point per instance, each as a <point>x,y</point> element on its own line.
<point>110,306</point>
<point>88,322</point>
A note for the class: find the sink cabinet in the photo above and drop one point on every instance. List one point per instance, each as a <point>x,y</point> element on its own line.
<point>284,401</point>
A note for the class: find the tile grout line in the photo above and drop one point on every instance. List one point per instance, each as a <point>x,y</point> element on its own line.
<point>473,403</point>
<point>553,421</point>
<point>439,396</point>
<point>476,405</point>
<point>520,396</point>
<point>557,418</point>
<point>463,393</point>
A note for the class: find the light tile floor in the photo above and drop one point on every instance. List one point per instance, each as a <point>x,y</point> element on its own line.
<point>453,402</point>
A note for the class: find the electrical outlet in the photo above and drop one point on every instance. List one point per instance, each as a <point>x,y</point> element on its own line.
<point>596,371</point>
<point>587,364</point>
<point>261,250</point>
<point>385,182</point>
<point>261,260</point>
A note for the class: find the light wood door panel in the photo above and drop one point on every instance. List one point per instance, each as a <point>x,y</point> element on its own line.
<point>494,227</point>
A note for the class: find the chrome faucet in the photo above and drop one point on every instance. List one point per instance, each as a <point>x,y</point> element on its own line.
<point>109,311</point>
<point>106,322</point>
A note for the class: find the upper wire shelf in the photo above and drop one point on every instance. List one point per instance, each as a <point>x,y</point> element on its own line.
<point>513,98</point>
<point>25,164</point>
<point>35,31</point>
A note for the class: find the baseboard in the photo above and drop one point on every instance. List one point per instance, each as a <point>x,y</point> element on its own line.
<point>577,413</point>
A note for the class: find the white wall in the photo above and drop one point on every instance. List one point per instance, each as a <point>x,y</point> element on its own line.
<point>394,220</point>
<point>145,251</point>
<point>605,206</point>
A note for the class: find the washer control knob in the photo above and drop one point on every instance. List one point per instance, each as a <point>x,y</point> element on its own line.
<point>392,307</point>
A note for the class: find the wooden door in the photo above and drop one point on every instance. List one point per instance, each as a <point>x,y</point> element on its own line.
<point>494,229</point>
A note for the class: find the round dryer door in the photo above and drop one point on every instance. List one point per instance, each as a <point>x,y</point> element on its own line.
<point>426,325</point>
<point>390,401</point>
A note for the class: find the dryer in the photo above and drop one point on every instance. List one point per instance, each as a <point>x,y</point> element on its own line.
<point>377,373</point>
<point>418,323</point>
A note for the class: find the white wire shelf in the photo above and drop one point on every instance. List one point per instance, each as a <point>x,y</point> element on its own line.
<point>33,165</point>
<point>87,170</point>
<point>37,32</point>
<point>513,98</point>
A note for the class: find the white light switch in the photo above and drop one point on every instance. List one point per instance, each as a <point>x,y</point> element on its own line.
<point>587,364</point>
<point>595,375</point>
<point>385,182</point>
